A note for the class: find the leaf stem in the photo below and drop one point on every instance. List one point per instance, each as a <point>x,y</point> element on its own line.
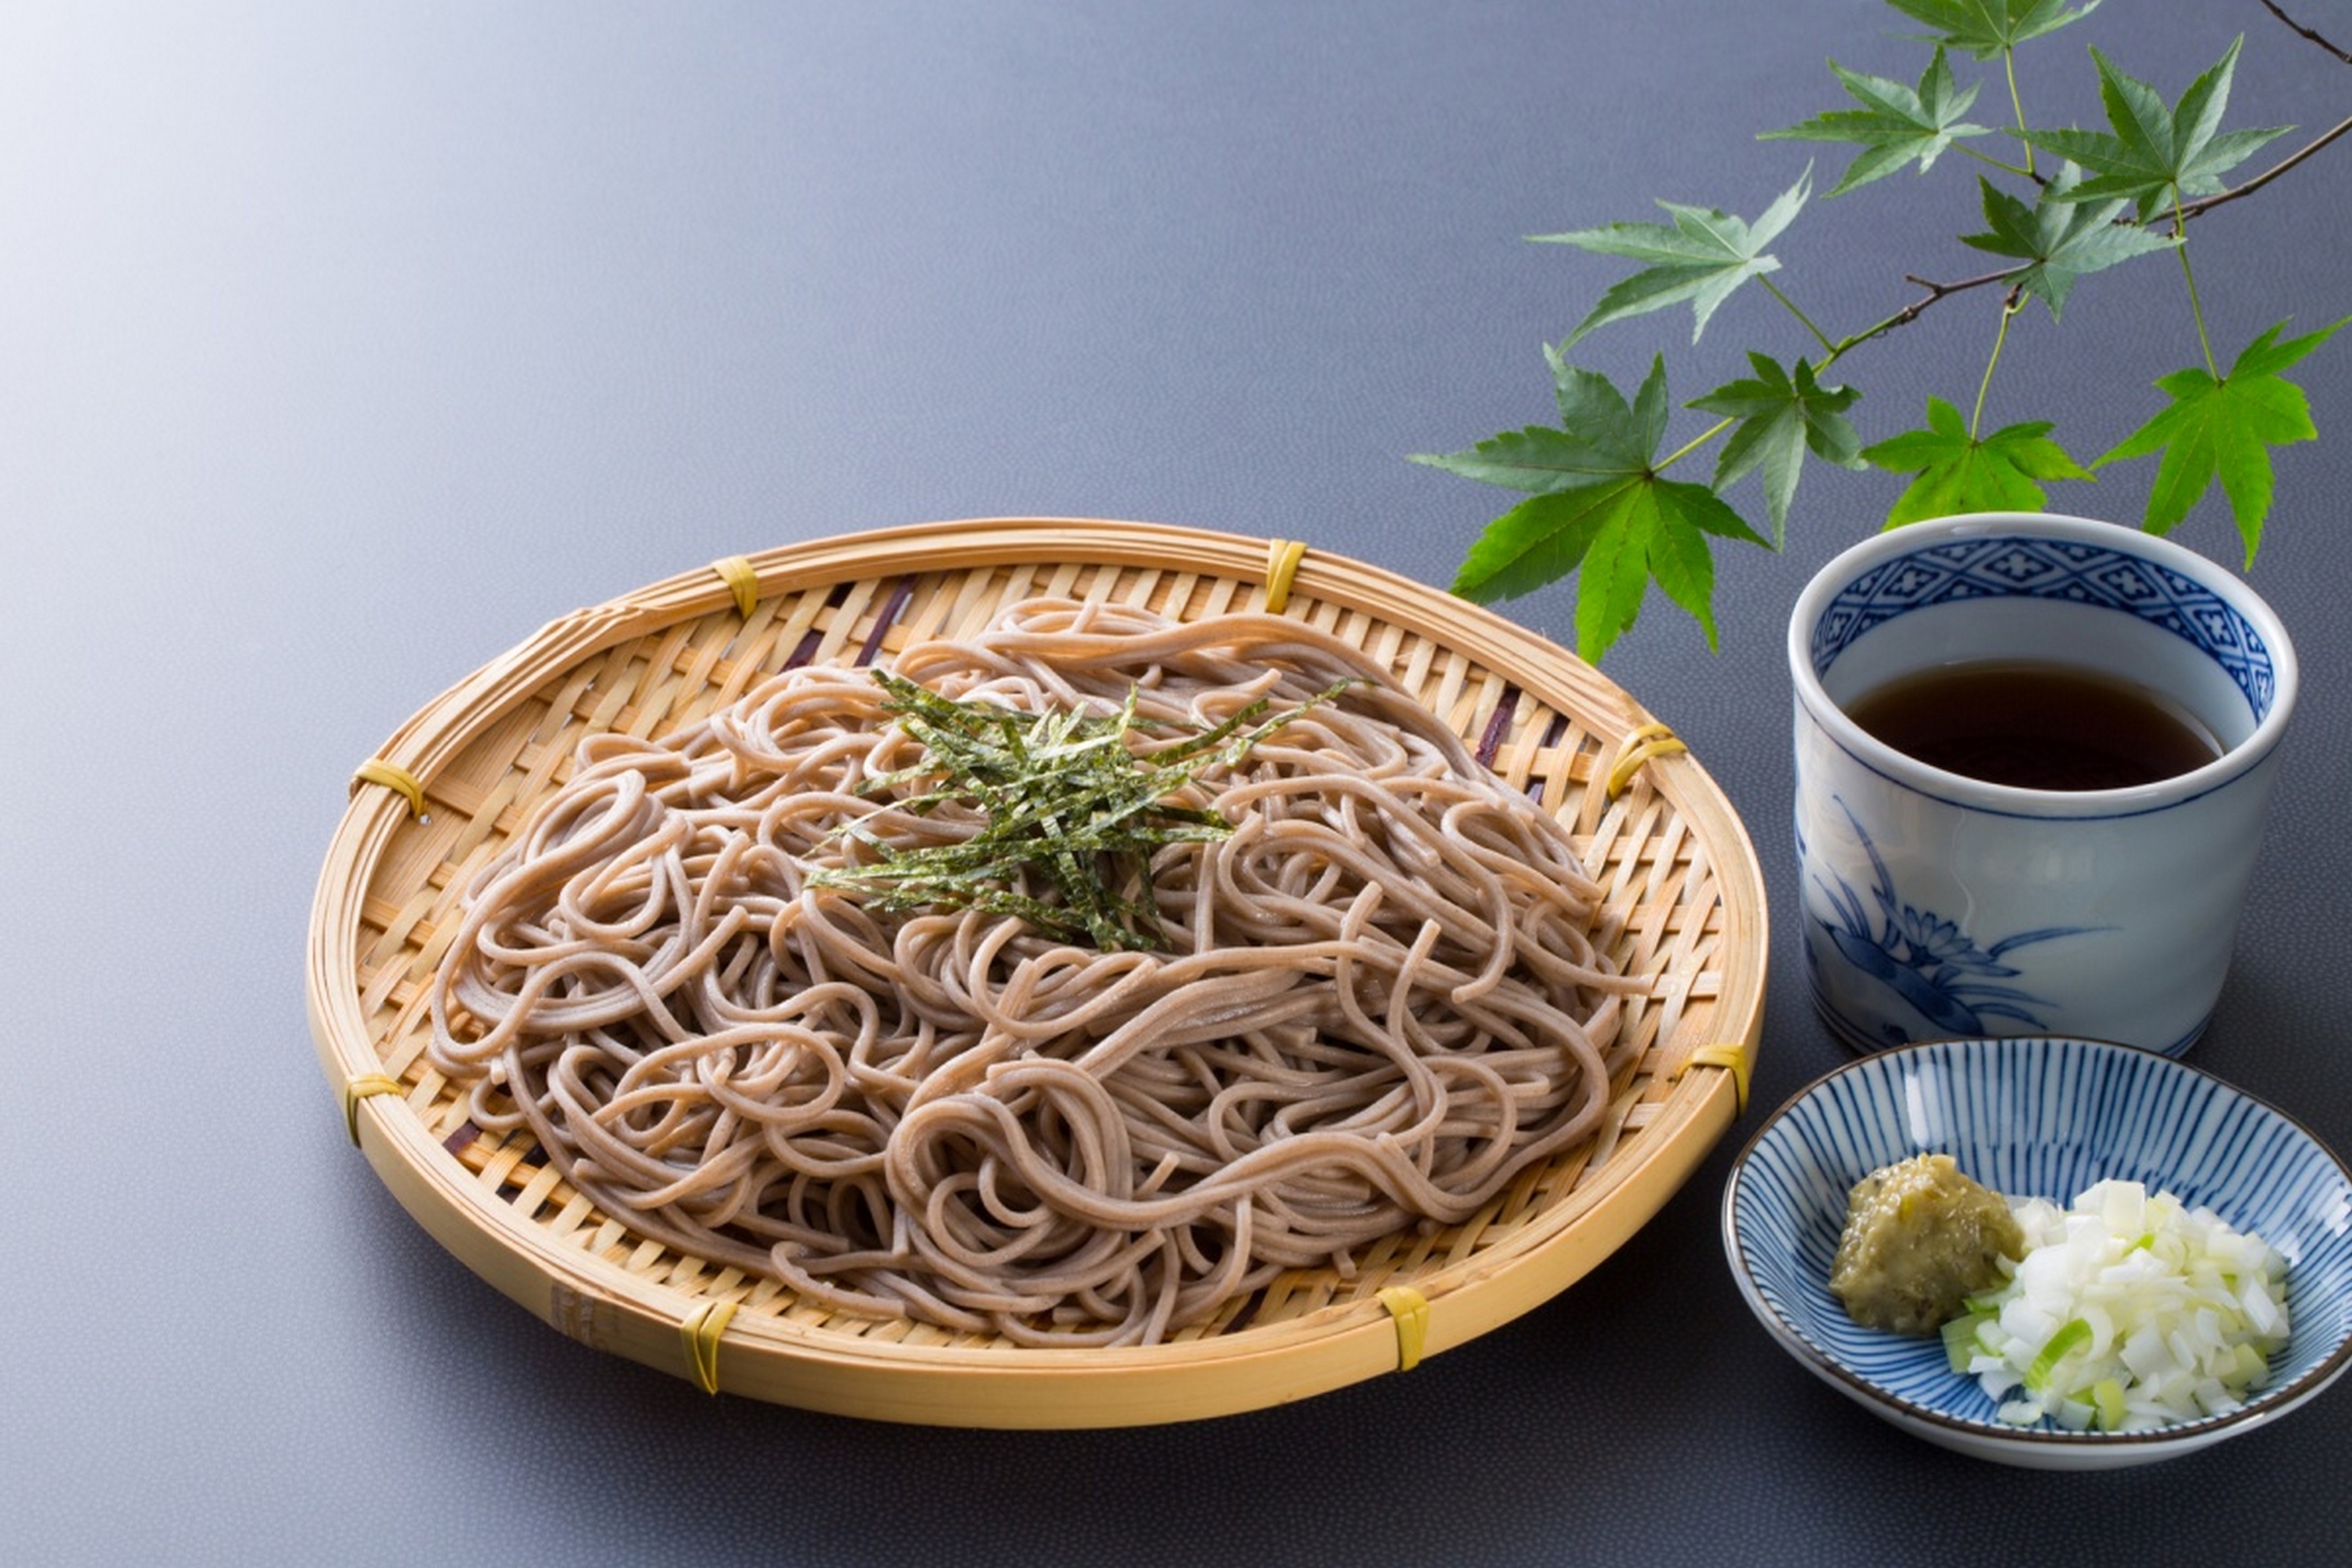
<point>1695,442</point>
<point>2004,166</point>
<point>2007,310</point>
<point>1819,336</point>
<point>2196,306</point>
<point>2009,68</point>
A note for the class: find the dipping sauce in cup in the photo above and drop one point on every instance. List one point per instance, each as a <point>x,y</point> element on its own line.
<point>2033,755</point>
<point>2036,725</point>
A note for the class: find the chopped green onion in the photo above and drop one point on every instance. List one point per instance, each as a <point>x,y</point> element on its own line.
<point>2075,1333</point>
<point>2170,1305</point>
<point>1960,1343</point>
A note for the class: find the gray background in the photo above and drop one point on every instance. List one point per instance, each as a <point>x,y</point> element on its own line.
<point>341,347</point>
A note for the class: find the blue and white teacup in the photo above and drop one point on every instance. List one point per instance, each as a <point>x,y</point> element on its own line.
<point>1938,905</point>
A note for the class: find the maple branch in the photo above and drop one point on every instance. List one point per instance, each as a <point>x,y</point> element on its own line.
<point>1910,312</point>
<point>2297,26</point>
<point>1938,291</point>
<point>2181,215</point>
<point>2207,204</point>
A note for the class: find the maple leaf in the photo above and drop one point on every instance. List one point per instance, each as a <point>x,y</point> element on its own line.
<point>1780,415</point>
<point>1960,472</point>
<point>1600,510</point>
<point>2224,428</point>
<point>1896,124</point>
<point>2062,236</point>
<point>2158,155</point>
<point>1597,437</point>
<point>1990,27</point>
<point>1702,257</point>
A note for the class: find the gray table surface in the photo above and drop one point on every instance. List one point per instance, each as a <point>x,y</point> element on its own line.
<point>341,347</point>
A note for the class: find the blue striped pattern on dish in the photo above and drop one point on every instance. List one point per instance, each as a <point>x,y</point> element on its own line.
<point>2028,1117</point>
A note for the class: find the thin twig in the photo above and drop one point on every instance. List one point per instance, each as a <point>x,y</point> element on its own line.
<point>1910,312</point>
<point>1938,291</point>
<point>2207,204</point>
<point>2340,54</point>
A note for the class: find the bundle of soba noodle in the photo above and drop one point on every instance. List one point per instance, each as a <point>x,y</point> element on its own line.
<point>1372,1006</point>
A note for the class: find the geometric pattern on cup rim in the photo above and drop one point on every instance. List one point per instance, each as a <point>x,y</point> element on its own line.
<point>2015,566</point>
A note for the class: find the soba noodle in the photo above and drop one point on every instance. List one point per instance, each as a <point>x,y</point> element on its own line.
<point>1377,1002</point>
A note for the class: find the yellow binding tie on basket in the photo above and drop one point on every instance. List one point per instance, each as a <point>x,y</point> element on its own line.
<point>1730,1056</point>
<point>701,1332</point>
<point>1410,1308</point>
<point>738,575</point>
<point>1642,742</point>
<point>358,1089</point>
<point>397,779</point>
<point>1281,558</point>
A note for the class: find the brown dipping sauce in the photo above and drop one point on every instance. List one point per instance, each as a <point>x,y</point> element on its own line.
<point>2034,725</point>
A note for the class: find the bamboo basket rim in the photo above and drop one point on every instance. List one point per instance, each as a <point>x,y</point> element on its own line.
<point>667,1322</point>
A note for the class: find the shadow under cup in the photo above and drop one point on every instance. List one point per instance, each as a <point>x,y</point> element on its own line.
<point>1937,905</point>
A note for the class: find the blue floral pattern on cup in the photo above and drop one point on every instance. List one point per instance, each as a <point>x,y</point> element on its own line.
<point>1927,962</point>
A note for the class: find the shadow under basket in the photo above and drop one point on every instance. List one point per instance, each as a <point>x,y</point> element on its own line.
<point>1684,910</point>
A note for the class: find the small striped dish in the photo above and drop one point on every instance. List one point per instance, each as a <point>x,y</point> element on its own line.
<point>2032,1116</point>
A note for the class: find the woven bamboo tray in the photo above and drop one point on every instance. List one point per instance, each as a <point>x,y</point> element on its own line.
<point>1684,907</point>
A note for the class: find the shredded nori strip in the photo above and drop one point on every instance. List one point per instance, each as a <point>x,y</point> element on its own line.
<point>1069,800</point>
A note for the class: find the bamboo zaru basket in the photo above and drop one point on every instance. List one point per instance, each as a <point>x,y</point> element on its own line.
<point>1683,910</point>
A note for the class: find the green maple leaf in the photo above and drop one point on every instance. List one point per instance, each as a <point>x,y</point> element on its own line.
<point>2224,428</point>
<point>1597,437</point>
<point>1702,257</point>
<point>2063,237</point>
<point>2158,155</point>
<point>1960,472</point>
<point>1990,27</point>
<point>1600,510</point>
<point>1896,124</point>
<point>1780,415</point>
